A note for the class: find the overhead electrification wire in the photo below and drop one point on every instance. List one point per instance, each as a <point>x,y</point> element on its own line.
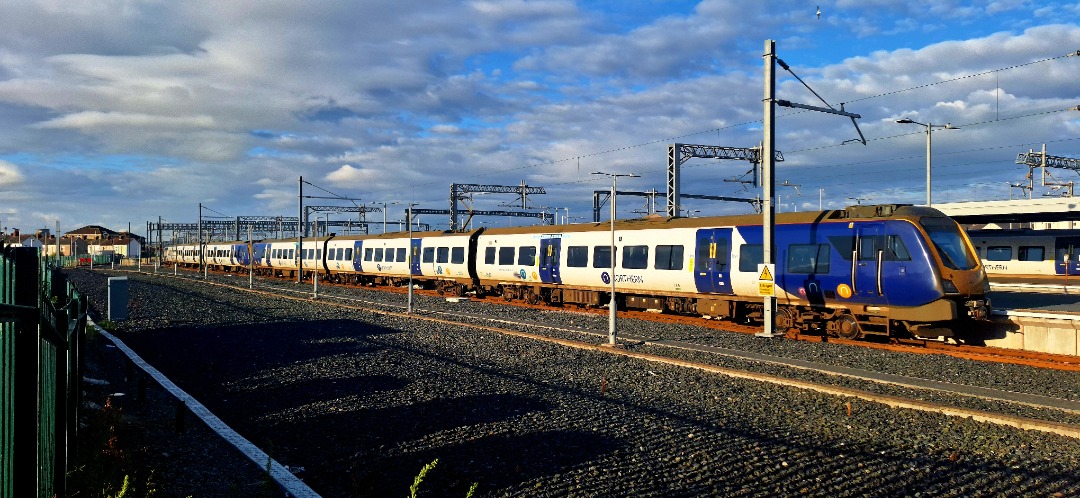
<point>578,158</point>
<point>958,78</point>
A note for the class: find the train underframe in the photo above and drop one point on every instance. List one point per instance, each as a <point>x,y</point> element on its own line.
<point>790,319</point>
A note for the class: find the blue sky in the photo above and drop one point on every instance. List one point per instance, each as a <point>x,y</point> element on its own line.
<point>118,111</point>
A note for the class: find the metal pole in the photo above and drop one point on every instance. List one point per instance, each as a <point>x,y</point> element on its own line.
<point>251,259</point>
<point>929,131</point>
<point>768,149</point>
<point>300,232</point>
<point>611,304</point>
<point>409,306</point>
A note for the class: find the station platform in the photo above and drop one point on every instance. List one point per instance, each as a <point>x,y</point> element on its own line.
<point>1042,317</point>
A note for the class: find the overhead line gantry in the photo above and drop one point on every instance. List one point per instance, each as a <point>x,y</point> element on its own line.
<point>680,153</point>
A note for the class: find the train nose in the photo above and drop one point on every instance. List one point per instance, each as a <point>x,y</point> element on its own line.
<point>968,283</point>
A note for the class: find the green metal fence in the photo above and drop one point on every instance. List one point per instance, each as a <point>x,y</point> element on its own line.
<point>42,334</point>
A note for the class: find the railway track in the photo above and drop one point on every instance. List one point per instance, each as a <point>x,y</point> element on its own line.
<point>703,357</point>
<point>366,390</point>
<point>918,346</point>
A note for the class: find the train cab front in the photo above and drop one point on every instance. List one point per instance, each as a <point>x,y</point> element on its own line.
<point>963,278</point>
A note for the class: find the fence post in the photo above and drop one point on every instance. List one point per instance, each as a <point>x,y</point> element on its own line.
<point>26,461</point>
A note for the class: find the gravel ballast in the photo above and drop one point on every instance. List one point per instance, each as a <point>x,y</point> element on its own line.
<point>361,401</point>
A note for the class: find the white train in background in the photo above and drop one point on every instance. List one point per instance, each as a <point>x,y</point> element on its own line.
<point>1012,252</point>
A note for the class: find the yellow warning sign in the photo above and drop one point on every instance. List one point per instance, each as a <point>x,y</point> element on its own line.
<point>766,272</point>
<point>766,288</point>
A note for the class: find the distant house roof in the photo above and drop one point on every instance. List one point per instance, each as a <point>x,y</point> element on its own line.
<point>100,232</point>
<point>91,230</point>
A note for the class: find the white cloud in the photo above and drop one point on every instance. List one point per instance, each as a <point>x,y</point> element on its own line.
<point>349,175</point>
<point>94,119</point>
<point>10,174</point>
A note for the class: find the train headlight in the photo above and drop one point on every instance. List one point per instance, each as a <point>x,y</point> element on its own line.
<point>949,287</point>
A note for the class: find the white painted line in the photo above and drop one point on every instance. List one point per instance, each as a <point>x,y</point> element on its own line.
<point>1034,314</point>
<point>292,485</point>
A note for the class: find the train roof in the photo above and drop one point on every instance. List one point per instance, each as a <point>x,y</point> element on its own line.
<point>851,213</point>
<point>1025,232</point>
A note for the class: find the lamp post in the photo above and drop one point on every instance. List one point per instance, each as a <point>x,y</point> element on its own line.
<point>929,132</point>
<point>611,304</point>
<point>384,204</point>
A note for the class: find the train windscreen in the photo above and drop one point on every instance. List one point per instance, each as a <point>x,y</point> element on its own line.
<point>950,243</point>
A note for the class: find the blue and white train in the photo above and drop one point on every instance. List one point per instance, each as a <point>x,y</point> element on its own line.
<point>1028,253</point>
<point>890,270</point>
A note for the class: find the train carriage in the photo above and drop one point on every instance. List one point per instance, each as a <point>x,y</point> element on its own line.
<point>1026,252</point>
<point>865,270</point>
<point>446,260</point>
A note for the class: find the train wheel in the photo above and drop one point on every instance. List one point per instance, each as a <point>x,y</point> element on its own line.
<point>785,322</point>
<point>847,327</point>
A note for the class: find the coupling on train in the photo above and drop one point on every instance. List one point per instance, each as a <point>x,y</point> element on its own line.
<point>886,270</point>
<point>1027,252</point>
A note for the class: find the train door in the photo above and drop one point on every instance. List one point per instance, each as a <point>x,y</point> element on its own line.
<point>549,260</point>
<point>260,254</point>
<point>358,246</point>
<point>866,279</point>
<point>414,257</point>
<point>1066,259</point>
<point>712,260</point>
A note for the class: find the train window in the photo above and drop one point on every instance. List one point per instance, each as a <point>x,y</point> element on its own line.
<point>526,256</point>
<point>1031,253</point>
<point>318,254</point>
<point>601,257</point>
<point>998,253</point>
<point>378,256</point>
<point>895,250</point>
<point>577,256</point>
<point>868,247</point>
<point>489,255</point>
<point>506,256</point>
<point>401,252</point>
<point>950,242</point>
<point>635,257</point>
<point>292,254</point>
<point>367,253</point>
<point>457,255</point>
<point>442,255</point>
<point>550,257</point>
<point>429,254</point>
<point>751,255</point>
<point>704,248</point>
<point>348,254</point>
<point>808,258</point>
